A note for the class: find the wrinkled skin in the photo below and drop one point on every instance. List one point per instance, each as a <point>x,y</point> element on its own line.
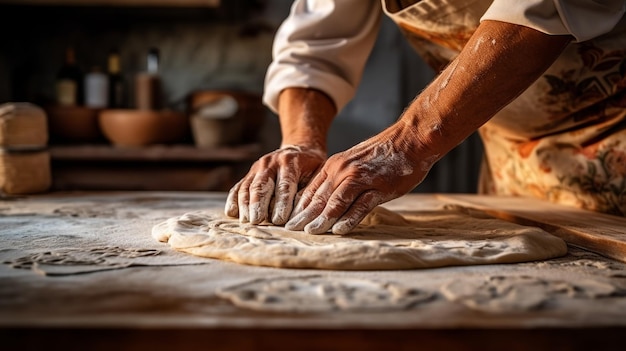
<point>499,62</point>
<point>269,189</point>
<point>268,192</point>
<point>353,182</point>
<point>453,106</point>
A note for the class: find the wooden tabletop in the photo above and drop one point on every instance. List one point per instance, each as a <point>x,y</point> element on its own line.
<point>121,289</point>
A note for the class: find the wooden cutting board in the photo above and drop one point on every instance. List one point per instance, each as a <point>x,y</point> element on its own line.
<point>601,233</point>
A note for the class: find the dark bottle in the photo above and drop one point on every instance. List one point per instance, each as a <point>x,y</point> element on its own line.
<point>117,90</point>
<point>69,82</point>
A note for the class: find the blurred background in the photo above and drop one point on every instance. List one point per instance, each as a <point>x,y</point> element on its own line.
<point>165,94</point>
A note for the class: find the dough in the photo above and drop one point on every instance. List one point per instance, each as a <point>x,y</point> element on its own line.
<point>520,293</point>
<point>81,261</point>
<point>384,240</point>
<point>316,293</point>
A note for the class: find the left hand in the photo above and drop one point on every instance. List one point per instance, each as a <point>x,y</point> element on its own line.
<point>353,182</point>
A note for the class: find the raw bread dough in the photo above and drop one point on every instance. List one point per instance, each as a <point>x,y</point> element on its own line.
<point>322,294</point>
<point>520,293</point>
<point>384,240</point>
<point>81,261</point>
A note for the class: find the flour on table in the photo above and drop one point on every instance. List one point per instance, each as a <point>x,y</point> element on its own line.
<point>384,240</point>
<point>314,294</point>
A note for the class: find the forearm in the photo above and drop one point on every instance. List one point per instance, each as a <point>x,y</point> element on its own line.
<point>305,117</point>
<point>498,63</point>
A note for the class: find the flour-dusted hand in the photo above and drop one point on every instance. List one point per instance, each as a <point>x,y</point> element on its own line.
<point>352,183</point>
<point>267,192</point>
<point>269,189</point>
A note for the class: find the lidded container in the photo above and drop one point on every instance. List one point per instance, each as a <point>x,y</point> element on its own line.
<point>223,117</point>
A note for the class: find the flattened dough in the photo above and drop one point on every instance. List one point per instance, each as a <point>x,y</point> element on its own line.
<point>321,294</point>
<point>520,293</point>
<point>384,240</point>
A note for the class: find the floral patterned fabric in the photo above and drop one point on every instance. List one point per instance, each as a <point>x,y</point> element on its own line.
<point>564,138</point>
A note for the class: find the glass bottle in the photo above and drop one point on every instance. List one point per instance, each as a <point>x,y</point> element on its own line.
<point>69,81</point>
<point>117,90</point>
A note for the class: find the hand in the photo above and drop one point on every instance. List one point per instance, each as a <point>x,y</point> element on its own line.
<point>352,183</point>
<point>267,192</point>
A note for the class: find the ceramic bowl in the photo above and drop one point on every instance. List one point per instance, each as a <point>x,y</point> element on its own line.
<point>143,127</point>
<point>73,124</point>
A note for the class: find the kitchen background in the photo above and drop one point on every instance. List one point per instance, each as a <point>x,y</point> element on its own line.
<point>207,48</point>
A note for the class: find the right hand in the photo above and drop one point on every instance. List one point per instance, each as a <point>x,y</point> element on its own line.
<point>268,191</point>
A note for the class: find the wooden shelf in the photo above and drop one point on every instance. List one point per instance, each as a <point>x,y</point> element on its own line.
<point>155,153</point>
<point>157,167</point>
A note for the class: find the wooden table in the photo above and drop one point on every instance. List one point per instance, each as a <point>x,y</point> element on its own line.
<point>164,299</point>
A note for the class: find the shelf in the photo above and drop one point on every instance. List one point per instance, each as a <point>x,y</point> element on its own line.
<point>157,167</point>
<point>155,153</point>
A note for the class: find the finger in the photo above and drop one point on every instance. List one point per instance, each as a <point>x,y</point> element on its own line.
<point>298,196</point>
<point>313,209</point>
<point>272,205</point>
<point>339,202</point>
<point>308,193</point>
<point>261,192</point>
<point>363,205</point>
<point>243,200</point>
<point>231,209</point>
<point>286,189</point>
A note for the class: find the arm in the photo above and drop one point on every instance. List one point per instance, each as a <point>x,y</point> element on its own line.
<point>324,45</point>
<point>498,63</point>
<point>318,56</point>
<point>305,116</point>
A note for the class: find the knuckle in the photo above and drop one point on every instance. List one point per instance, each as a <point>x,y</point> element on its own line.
<point>285,187</point>
<point>259,187</point>
<point>318,199</point>
<point>264,162</point>
<point>286,156</point>
<point>338,204</point>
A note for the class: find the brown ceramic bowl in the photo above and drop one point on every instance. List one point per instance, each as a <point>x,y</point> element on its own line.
<point>73,124</point>
<point>143,127</point>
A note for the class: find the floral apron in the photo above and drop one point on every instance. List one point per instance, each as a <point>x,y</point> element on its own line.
<point>564,138</point>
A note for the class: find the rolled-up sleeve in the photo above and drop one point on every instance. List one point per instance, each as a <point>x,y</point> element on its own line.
<point>324,45</point>
<point>583,19</point>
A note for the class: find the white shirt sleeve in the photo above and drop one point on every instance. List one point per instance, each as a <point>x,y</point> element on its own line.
<point>583,19</point>
<point>324,45</point>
